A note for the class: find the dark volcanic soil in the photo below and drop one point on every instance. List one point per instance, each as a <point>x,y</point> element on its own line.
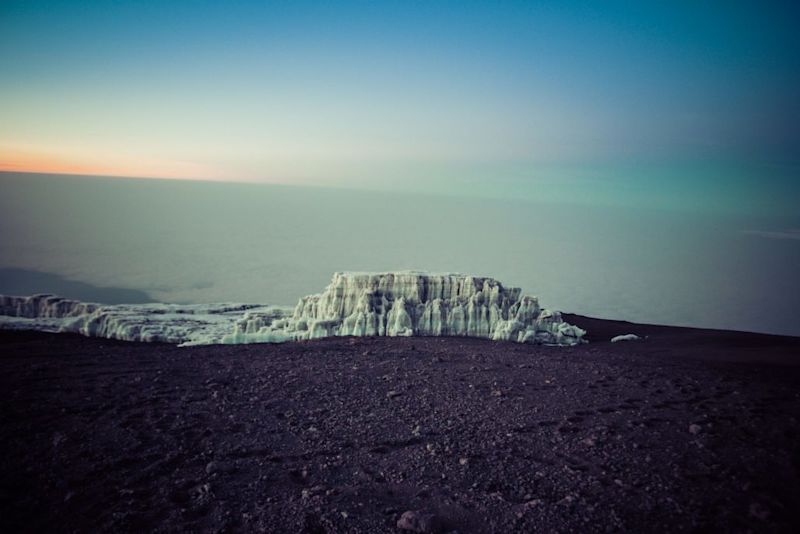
<point>686,430</point>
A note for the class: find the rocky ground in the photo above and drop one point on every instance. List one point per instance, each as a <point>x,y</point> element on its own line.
<point>686,430</point>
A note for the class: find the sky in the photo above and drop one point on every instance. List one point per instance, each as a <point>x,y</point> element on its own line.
<point>680,105</point>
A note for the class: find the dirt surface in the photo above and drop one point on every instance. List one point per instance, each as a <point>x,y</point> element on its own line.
<point>686,430</point>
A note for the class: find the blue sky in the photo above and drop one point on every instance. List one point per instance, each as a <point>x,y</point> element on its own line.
<point>664,104</point>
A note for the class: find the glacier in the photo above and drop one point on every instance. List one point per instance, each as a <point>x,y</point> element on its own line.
<point>185,324</point>
<point>406,303</point>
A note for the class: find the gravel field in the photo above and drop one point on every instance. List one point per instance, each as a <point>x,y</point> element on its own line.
<point>685,430</point>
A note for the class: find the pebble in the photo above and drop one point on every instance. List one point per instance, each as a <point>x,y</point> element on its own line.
<point>532,503</point>
<point>418,521</point>
<point>759,511</point>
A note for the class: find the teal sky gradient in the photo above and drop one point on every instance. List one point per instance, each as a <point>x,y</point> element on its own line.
<point>665,104</point>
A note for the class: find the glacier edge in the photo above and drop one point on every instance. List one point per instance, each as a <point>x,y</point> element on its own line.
<point>405,303</point>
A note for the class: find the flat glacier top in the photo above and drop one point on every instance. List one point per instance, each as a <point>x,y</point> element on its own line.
<point>407,272</point>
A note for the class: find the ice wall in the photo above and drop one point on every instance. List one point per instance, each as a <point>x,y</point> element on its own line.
<point>414,303</point>
<point>353,304</point>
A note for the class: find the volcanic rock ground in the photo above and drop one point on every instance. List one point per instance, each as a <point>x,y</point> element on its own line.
<point>687,430</point>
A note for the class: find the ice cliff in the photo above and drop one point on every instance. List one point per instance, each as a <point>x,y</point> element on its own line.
<point>353,304</point>
<point>414,304</point>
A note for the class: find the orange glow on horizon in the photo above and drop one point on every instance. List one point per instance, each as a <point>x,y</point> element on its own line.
<point>14,159</point>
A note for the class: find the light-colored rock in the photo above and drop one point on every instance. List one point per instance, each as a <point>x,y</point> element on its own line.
<point>625,337</point>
